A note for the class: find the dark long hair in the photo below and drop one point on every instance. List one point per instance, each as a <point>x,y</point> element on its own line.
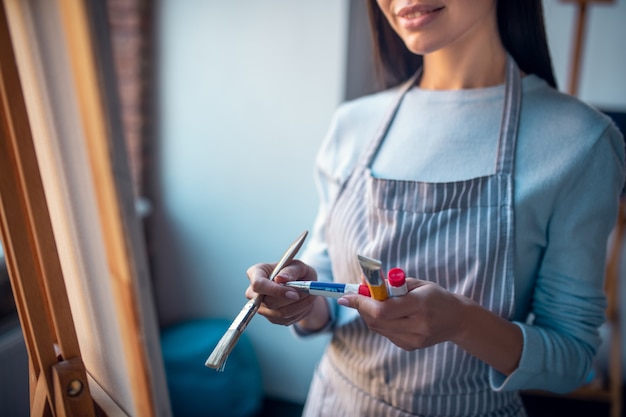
<point>521,27</point>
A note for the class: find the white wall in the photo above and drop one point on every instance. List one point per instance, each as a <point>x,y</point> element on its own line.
<point>603,69</point>
<point>247,92</point>
<point>248,89</point>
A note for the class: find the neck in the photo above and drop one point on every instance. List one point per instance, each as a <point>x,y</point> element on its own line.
<point>477,64</point>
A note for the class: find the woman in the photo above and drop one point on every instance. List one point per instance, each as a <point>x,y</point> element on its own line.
<point>493,190</point>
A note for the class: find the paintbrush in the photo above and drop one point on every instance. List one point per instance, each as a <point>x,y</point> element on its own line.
<point>217,359</point>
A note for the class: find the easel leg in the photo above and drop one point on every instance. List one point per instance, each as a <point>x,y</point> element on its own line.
<point>40,406</point>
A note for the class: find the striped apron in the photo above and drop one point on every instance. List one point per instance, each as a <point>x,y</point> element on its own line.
<point>457,234</point>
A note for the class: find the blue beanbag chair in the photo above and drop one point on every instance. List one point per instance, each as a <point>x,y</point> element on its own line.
<point>196,390</point>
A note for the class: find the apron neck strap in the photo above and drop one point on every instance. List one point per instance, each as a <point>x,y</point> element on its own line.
<point>508,125</point>
<point>374,145</point>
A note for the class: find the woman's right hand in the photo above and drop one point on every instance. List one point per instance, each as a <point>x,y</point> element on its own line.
<point>281,304</point>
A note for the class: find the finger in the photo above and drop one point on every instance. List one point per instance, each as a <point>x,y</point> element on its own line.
<point>288,314</point>
<point>259,271</point>
<point>413,283</point>
<point>296,271</point>
<point>297,309</point>
<point>403,344</point>
<point>263,286</point>
<point>386,317</point>
<point>390,309</point>
<point>277,303</point>
<point>359,302</point>
<point>403,327</point>
<point>260,284</point>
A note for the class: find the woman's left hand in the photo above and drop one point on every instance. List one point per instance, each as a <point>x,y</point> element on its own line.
<point>428,314</point>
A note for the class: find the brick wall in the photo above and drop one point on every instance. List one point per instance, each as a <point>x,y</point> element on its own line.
<point>131,35</point>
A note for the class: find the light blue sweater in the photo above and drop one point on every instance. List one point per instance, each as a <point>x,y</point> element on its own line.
<point>568,176</point>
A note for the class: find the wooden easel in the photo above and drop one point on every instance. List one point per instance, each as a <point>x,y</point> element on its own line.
<point>579,38</point>
<point>63,382</point>
<point>58,377</point>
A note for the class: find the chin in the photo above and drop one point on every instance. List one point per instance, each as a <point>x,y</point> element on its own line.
<point>419,47</point>
<point>420,51</point>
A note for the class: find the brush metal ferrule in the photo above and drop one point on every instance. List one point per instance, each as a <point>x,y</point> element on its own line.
<point>245,315</point>
<point>300,285</point>
<point>372,270</point>
<point>373,274</point>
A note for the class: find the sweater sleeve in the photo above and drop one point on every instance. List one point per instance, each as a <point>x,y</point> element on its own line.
<point>328,180</point>
<point>315,255</point>
<point>568,301</point>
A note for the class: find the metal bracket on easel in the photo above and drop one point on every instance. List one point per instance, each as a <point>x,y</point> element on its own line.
<point>71,391</point>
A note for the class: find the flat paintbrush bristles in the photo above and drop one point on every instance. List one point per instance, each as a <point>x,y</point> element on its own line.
<point>217,359</point>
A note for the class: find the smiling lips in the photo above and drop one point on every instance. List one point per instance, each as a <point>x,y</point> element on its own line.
<point>418,16</point>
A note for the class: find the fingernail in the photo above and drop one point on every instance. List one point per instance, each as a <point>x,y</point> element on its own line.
<point>281,278</point>
<point>292,295</point>
<point>344,302</point>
